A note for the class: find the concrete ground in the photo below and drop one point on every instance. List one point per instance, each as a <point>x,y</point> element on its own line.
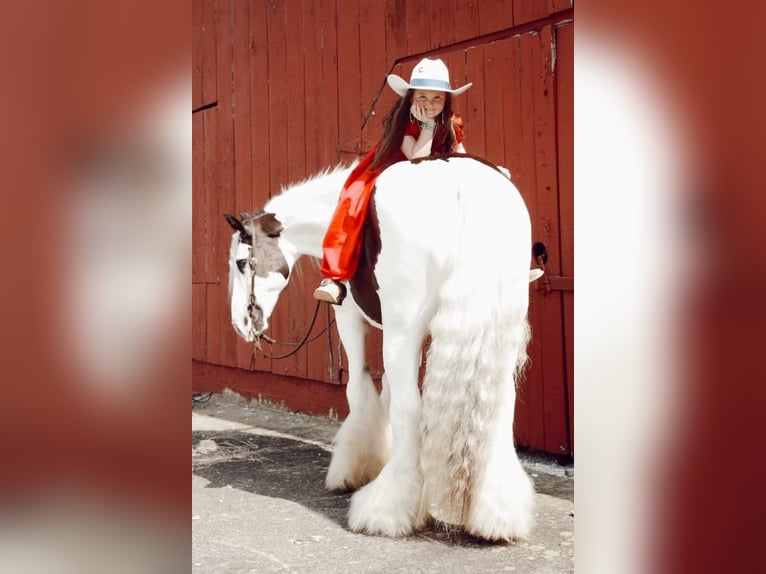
<point>259,506</point>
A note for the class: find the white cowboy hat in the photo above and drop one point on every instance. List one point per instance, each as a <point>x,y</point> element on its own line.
<point>427,75</point>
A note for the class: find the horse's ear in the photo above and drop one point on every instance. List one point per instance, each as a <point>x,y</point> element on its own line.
<point>234,222</point>
<point>270,224</point>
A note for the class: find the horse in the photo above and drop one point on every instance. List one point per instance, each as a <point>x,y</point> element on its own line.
<point>455,244</point>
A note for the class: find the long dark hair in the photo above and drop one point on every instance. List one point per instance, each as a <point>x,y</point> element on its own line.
<point>394,124</point>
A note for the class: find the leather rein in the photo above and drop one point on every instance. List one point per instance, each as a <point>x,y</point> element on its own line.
<point>300,344</point>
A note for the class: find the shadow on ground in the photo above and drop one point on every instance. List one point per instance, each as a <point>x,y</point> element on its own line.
<point>271,466</point>
<point>293,470</point>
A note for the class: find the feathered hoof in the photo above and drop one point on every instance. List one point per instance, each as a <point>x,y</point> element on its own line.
<point>386,508</point>
<point>359,454</point>
<point>349,470</point>
<point>506,518</point>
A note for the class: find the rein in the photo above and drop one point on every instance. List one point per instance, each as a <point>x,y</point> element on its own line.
<point>257,341</point>
<point>305,340</point>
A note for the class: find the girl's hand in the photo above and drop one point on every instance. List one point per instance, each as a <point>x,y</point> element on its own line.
<point>419,113</point>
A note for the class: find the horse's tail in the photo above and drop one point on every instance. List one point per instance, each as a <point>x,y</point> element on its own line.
<point>479,336</point>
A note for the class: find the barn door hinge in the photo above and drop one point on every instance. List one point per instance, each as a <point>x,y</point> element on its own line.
<point>548,283</point>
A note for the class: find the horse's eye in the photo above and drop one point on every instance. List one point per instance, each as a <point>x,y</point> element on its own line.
<point>241,265</point>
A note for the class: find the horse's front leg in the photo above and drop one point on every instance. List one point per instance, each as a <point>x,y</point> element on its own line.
<point>360,448</point>
<point>390,504</point>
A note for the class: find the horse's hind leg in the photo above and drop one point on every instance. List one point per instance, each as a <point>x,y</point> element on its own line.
<point>361,444</point>
<point>503,499</point>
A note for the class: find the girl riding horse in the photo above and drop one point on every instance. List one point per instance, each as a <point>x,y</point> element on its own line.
<point>421,123</point>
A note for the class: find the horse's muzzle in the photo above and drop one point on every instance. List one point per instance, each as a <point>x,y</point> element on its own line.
<point>255,316</point>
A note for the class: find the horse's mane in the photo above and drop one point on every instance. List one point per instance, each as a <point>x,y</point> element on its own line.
<point>307,199</point>
<point>325,177</point>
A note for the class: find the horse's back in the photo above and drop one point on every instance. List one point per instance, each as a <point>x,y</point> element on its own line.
<point>436,206</point>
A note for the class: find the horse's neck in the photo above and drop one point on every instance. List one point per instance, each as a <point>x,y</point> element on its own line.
<point>305,210</point>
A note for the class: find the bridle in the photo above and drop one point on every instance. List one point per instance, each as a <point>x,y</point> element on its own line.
<point>252,313</point>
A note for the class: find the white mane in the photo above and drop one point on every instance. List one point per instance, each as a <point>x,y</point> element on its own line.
<point>311,198</point>
<point>305,208</point>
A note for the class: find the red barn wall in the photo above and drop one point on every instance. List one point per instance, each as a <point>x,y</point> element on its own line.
<point>285,88</point>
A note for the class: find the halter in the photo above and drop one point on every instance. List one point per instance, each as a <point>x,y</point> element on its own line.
<point>251,261</point>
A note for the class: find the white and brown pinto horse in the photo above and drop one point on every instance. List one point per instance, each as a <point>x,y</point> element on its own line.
<point>453,262</point>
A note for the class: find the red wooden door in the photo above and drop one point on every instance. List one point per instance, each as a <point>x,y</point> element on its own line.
<point>518,114</point>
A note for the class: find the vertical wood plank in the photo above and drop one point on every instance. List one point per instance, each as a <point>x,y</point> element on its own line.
<point>524,176</point>
<point>512,113</point>
<point>530,407</point>
<point>494,103</point>
<point>199,318</point>
<point>196,53</point>
<point>204,52</point>
<point>349,80</point>
<point>555,408</point>
<point>513,145</point>
<point>466,20</point>
<point>557,5</point>
<point>568,327</point>
<point>209,53</point>
<point>280,102</point>
<point>200,202</point>
<point>374,68</point>
<point>528,10</point>
<point>418,28</point>
<point>295,94</point>
<point>454,62</point>
<point>519,145</point>
<point>442,22</point>
<point>565,141</point>
<point>222,342</point>
<point>313,85</point>
<point>524,146</point>
<point>279,98</point>
<point>474,103</point>
<point>396,30</point>
<point>494,15</point>
<point>328,95</point>
<point>259,103</point>
<point>564,37</point>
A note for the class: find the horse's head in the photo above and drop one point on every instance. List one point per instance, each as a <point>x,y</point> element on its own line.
<point>259,268</point>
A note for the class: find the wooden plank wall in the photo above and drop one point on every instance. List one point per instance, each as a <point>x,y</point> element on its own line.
<point>282,89</point>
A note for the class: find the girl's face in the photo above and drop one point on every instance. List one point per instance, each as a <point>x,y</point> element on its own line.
<point>430,102</point>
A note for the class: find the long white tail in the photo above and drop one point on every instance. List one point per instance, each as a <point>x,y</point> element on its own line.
<point>479,336</point>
